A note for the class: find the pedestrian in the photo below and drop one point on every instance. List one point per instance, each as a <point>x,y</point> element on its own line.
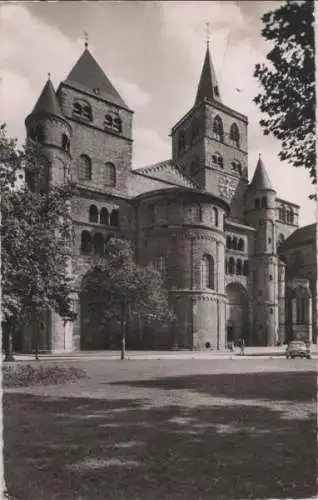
<point>242,346</point>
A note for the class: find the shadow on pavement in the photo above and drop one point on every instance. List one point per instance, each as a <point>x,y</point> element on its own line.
<point>93,449</point>
<point>286,386</point>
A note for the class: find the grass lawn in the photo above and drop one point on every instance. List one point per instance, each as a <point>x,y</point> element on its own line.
<point>166,430</point>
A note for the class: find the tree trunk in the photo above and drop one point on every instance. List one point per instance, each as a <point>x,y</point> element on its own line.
<point>9,350</point>
<point>36,330</point>
<point>3,486</point>
<point>123,333</point>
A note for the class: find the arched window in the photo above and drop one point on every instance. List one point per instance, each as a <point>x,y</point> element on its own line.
<point>110,174</point>
<point>65,143</point>
<point>302,309</point>
<point>228,242</point>
<point>217,160</point>
<point>218,131</point>
<point>231,265</point>
<point>98,244</point>
<point>85,168</point>
<point>245,268</point>
<point>215,216</point>
<point>193,213</point>
<point>257,203</point>
<point>235,135</point>
<point>302,306</point>
<point>114,218</point>
<point>289,216</point>
<point>236,166</point>
<point>77,109</point>
<point>86,242</point>
<point>39,134</point>
<point>181,141</point>
<point>239,267</point>
<point>93,214</point>
<point>108,122</point>
<point>264,202</point>
<point>87,112</point>
<point>207,272</point>
<point>280,213</point>
<point>82,109</point>
<point>226,266</point>
<point>234,243</point>
<point>117,124</point>
<point>103,219</point>
<point>31,134</point>
<point>30,179</point>
<point>240,245</point>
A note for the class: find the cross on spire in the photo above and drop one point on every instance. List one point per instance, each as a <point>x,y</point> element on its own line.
<point>86,39</point>
<point>208,32</point>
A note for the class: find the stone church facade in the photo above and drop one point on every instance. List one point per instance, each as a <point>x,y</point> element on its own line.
<point>234,261</point>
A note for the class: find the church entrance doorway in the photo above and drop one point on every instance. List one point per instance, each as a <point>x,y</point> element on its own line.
<point>95,331</point>
<point>237,324</point>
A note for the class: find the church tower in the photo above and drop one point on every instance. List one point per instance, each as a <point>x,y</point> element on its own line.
<point>210,142</point>
<point>52,131</point>
<point>101,150</point>
<point>261,214</point>
<point>48,127</point>
<point>102,127</point>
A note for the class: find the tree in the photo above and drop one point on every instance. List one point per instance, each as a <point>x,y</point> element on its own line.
<point>36,239</point>
<point>288,98</point>
<point>119,289</point>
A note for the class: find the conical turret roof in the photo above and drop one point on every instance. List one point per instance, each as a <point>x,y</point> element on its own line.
<point>48,102</point>
<point>88,75</point>
<point>208,86</point>
<point>260,178</point>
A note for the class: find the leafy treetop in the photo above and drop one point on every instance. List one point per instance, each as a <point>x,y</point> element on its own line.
<point>288,97</point>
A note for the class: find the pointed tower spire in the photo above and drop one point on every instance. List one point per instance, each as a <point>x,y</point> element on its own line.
<point>260,178</point>
<point>208,86</point>
<point>47,102</point>
<point>88,76</point>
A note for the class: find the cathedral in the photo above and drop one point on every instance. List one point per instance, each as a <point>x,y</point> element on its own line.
<point>233,259</point>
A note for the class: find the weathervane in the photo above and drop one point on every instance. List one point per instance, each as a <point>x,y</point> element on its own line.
<point>208,32</point>
<point>86,39</point>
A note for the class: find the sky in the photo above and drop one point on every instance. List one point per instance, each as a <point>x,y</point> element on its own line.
<point>153,53</point>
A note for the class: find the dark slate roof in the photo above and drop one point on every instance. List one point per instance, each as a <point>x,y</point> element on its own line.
<point>302,236</point>
<point>208,86</point>
<point>260,178</point>
<point>169,171</point>
<point>87,74</point>
<point>47,102</point>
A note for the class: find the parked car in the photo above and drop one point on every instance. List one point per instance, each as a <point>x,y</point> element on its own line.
<point>298,348</point>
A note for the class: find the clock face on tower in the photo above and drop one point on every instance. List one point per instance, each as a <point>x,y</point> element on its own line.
<point>226,187</point>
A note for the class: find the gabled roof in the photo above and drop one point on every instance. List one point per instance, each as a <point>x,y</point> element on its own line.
<point>47,102</point>
<point>167,171</point>
<point>301,236</point>
<point>88,75</point>
<point>260,179</point>
<point>208,86</point>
